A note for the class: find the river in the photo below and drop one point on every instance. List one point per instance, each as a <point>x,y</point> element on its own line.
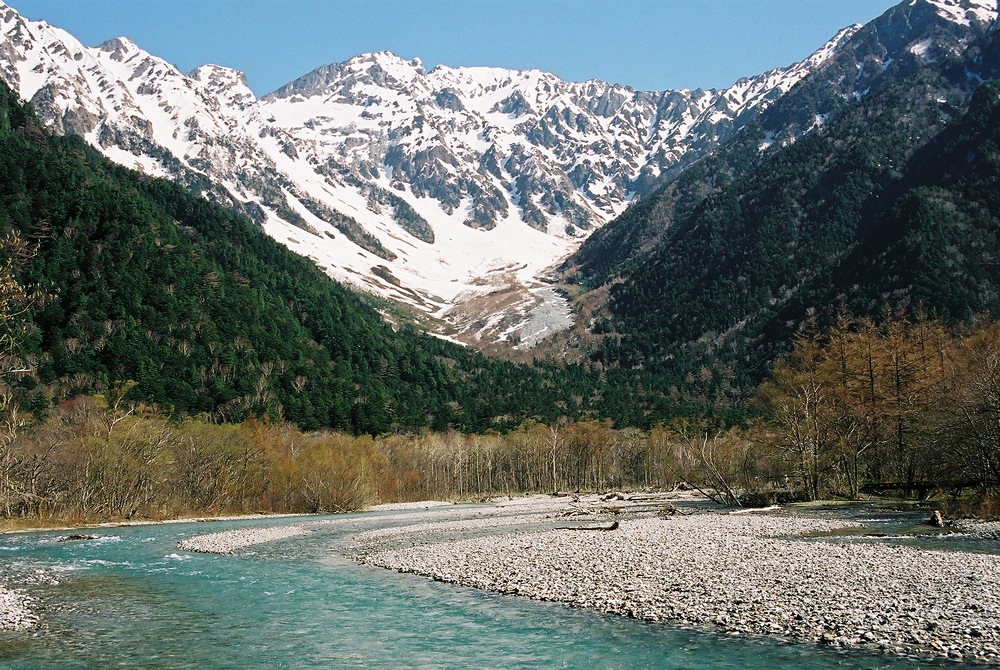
<point>131,599</point>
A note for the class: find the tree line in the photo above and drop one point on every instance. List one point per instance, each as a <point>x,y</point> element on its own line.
<point>100,458</point>
<point>904,405</point>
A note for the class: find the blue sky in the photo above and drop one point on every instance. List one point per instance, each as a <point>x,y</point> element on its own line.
<point>648,44</point>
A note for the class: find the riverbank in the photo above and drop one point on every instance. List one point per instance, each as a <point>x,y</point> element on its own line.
<point>987,530</point>
<point>201,518</point>
<point>750,574</point>
<point>398,507</point>
<point>145,522</point>
<point>677,558</point>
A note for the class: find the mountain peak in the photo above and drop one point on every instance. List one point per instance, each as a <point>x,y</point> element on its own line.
<point>218,73</point>
<point>225,82</point>
<point>395,66</point>
<point>120,48</point>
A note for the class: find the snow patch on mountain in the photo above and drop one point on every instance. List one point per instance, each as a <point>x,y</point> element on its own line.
<point>966,12</point>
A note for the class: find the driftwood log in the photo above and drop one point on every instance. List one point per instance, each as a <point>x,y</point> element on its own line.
<point>612,526</point>
<point>751,510</point>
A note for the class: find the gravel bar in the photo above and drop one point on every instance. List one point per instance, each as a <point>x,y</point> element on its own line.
<point>984,530</point>
<point>231,541</point>
<point>434,528</point>
<point>395,507</point>
<point>16,610</point>
<point>742,575</point>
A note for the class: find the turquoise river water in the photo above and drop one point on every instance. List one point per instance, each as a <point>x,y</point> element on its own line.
<point>131,599</point>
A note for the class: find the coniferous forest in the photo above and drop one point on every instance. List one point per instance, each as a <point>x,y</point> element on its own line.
<point>115,277</point>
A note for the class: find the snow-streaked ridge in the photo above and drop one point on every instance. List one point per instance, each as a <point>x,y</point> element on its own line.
<point>437,188</point>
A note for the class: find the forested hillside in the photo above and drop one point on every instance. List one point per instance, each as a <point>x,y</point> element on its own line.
<point>112,276</point>
<point>879,55</point>
<point>890,202</point>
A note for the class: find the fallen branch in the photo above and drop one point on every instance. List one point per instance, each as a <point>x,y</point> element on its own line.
<point>576,511</point>
<point>667,511</point>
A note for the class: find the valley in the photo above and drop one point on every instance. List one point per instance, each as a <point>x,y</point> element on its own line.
<point>561,305</point>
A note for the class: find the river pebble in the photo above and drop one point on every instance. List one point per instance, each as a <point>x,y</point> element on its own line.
<point>746,574</point>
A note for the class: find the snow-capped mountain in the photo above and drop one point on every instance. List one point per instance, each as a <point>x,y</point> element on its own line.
<point>452,190</point>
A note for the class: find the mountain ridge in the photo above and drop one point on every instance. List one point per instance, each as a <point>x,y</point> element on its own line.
<point>898,43</point>
<point>890,204</point>
<point>475,180</point>
<point>114,282</point>
<point>454,191</point>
